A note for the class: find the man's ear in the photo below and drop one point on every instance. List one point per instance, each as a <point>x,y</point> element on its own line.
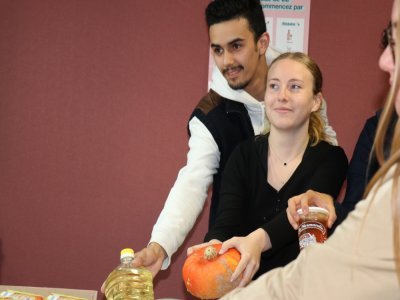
<point>263,43</point>
<point>318,98</point>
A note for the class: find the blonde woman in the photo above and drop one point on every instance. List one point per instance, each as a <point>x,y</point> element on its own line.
<point>361,260</point>
<point>264,172</point>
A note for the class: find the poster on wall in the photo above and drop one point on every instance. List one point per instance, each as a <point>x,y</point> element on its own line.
<point>287,25</point>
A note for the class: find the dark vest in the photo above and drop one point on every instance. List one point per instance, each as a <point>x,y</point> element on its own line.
<point>229,123</point>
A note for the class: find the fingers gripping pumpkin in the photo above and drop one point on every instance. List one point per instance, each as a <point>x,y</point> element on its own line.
<point>207,274</point>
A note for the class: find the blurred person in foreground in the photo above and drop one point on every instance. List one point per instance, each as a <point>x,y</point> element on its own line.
<point>361,260</point>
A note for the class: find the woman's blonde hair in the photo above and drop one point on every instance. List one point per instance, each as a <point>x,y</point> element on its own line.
<point>394,154</point>
<point>316,125</point>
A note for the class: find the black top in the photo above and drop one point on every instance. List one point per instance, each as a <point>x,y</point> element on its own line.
<point>357,172</point>
<point>229,124</point>
<point>363,165</point>
<point>248,201</point>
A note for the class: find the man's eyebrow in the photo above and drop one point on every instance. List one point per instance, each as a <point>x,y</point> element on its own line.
<point>235,41</point>
<point>229,43</point>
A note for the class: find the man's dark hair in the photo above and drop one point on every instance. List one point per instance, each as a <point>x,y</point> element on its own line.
<point>225,10</point>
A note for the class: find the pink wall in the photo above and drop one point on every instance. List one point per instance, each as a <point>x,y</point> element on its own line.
<point>94,99</point>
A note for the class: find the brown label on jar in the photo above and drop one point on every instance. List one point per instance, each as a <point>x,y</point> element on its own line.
<point>311,232</point>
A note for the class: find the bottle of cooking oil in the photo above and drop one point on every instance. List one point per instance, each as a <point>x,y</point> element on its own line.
<point>128,282</point>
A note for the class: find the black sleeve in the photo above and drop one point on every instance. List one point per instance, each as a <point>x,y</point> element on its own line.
<point>232,194</point>
<point>356,176</point>
<point>357,172</point>
<point>328,177</point>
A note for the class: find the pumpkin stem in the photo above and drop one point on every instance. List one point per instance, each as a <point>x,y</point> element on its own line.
<point>210,253</point>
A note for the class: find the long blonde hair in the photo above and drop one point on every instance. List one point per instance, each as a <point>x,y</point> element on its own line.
<point>394,156</point>
<point>316,125</point>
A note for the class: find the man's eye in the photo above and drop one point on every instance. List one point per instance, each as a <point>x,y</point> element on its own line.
<point>217,51</point>
<point>236,46</point>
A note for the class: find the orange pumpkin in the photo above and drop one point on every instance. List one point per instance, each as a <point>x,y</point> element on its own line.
<point>207,274</point>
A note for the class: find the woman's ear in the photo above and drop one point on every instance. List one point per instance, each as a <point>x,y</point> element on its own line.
<point>263,43</point>
<point>317,102</point>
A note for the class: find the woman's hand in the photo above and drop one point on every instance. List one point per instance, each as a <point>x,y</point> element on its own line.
<point>190,250</point>
<point>310,198</point>
<point>250,248</point>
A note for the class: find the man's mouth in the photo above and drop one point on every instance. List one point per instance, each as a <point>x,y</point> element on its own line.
<point>232,72</point>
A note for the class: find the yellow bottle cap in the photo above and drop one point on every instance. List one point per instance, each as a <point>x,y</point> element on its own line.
<point>127,252</point>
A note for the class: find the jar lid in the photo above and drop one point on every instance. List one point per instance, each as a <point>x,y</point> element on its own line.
<point>314,209</point>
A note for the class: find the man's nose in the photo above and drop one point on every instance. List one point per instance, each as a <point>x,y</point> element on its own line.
<point>228,59</point>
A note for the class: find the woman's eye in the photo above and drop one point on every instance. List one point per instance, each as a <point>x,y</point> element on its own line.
<point>295,87</point>
<point>273,86</point>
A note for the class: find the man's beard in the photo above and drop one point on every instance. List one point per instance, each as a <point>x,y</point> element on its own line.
<point>235,85</point>
<point>239,85</point>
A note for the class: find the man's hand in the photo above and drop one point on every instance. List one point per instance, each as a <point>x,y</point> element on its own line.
<point>310,198</point>
<point>150,257</point>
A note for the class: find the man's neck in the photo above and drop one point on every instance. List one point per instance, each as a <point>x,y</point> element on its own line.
<point>257,86</point>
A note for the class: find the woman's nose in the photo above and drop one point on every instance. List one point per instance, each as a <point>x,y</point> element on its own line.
<point>283,94</point>
<point>386,62</point>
